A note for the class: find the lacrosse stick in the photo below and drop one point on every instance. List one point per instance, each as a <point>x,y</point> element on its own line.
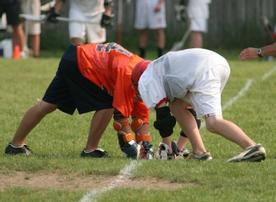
<point>268,27</point>
<point>181,15</point>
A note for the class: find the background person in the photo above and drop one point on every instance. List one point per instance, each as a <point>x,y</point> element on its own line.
<point>33,29</point>
<point>150,14</point>
<point>12,10</point>
<point>253,53</point>
<point>98,12</point>
<point>198,14</point>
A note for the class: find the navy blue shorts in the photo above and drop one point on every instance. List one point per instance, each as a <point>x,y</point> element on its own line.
<point>12,10</point>
<point>69,90</point>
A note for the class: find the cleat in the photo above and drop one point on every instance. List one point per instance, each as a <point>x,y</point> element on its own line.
<point>180,154</point>
<point>163,152</point>
<point>201,157</point>
<point>255,153</point>
<point>146,151</point>
<point>97,153</point>
<point>14,150</point>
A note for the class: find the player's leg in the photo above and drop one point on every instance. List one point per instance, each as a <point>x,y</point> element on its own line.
<point>98,124</point>
<point>234,133</point>
<point>29,121</point>
<point>189,127</point>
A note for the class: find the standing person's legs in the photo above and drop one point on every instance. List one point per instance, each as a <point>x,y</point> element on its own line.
<point>160,41</point>
<point>196,40</point>
<point>143,41</point>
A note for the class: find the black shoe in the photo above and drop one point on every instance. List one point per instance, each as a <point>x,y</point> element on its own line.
<point>97,153</point>
<point>13,150</point>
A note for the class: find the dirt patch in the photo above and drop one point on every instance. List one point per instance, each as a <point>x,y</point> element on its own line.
<point>62,182</point>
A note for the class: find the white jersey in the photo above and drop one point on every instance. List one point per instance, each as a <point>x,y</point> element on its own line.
<point>196,76</point>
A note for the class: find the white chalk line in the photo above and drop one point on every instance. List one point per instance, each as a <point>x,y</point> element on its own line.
<point>268,74</point>
<point>241,93</point>
<point>126,172</point>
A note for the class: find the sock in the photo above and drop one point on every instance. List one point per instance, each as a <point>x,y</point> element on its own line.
<point>142,52</point>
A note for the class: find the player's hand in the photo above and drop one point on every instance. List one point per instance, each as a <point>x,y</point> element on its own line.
<point>52,16</point>
<point>107,20</point>
<point>248,53</point>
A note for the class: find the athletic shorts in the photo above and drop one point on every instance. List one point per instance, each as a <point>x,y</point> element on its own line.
<point>145,16</point>
<point>198,25</point>
<point>69,90</point>
<point>12,10</point>
<point>32,7</point>
<point>91,33</point>
<point>207,100</point>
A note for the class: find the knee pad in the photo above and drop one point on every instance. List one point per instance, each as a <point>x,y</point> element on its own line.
<point>165,122</point>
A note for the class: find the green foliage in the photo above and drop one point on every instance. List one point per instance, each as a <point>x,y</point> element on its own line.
<point>58,140</point>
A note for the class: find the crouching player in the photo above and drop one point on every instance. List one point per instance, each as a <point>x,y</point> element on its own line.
<point>93,77</point>
<point>196,78</point>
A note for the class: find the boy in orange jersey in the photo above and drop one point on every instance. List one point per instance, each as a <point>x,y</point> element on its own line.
<point>94,77</point>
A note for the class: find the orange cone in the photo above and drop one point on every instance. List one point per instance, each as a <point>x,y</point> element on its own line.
<point>16,53</point>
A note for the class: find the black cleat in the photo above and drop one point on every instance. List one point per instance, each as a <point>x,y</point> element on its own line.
<point>97,153</point>
<point>14,150</point>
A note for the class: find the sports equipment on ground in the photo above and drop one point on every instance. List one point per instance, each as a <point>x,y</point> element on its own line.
<point>255,153</point>
<point>163,152</point>
<point>14,150</point>
<point>202,157</point>
<point>97,153</point>
<point>146,151</point>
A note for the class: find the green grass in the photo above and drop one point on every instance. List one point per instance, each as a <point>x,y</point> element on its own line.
<point>59,138</point>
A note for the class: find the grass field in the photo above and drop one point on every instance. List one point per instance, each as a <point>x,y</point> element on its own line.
<point>55,172</point>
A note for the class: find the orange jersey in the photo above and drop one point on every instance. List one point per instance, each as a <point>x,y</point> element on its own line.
<point>110,66</point>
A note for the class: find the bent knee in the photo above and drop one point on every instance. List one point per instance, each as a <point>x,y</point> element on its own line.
<point>212,123</point>
<point>45,107</point>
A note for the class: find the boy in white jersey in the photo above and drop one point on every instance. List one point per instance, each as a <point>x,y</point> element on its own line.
<point>190,78</point>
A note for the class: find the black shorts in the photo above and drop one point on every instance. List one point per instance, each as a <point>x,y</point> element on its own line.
<point>12,9</point>
<point>69,90</point>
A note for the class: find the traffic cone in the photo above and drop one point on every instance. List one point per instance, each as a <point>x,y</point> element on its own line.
<point>16,53</point>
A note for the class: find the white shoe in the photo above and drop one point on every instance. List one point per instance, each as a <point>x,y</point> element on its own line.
<point>253,153</point>
<point>163,152</point>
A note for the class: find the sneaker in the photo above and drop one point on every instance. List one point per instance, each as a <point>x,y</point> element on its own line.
<point>13,150</point>
<point>183,154</point>
<point>97,153</point>
<point>255,153</point>
<point>201,157</point>
<point>146,151</point>
<point>163,152</point>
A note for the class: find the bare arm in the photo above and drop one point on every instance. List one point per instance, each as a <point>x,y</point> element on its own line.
<point>251,53</point>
